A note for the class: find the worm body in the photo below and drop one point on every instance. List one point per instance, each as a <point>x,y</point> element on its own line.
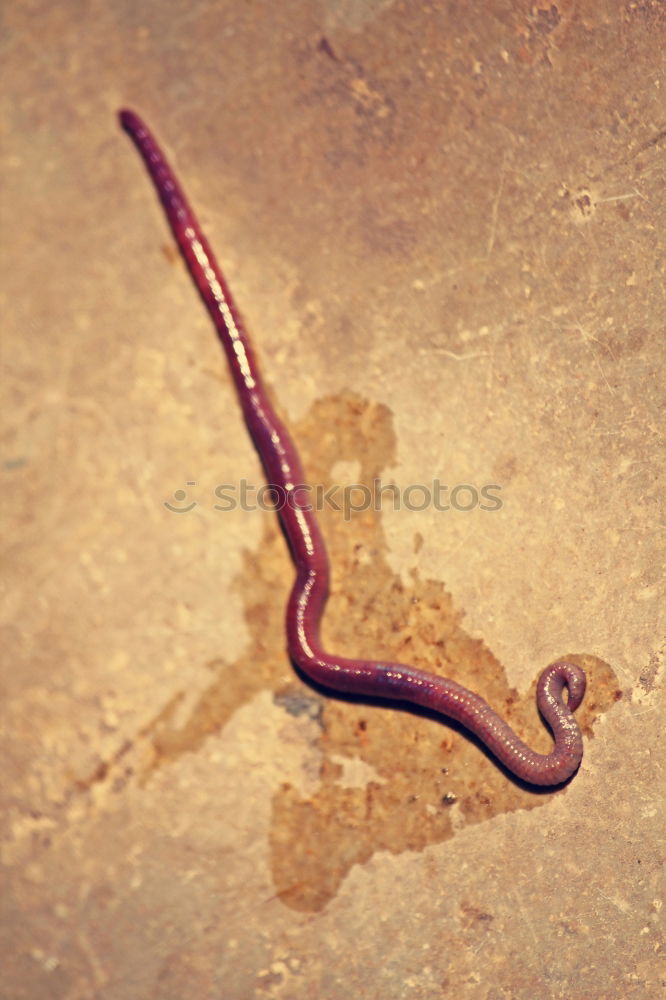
<point>308,596</point>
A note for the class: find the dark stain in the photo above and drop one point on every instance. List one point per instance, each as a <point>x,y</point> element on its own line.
<point>474,916</point>
<point>546,19</point>
<point>431,776</point>
<point>325,47</point>
<point>299,702</point>
<point>653,141</point>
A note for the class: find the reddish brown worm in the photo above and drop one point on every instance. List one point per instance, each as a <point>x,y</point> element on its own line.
<point>308,596</point>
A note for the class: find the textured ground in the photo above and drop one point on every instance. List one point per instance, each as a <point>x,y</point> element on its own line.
<point>444,225</point>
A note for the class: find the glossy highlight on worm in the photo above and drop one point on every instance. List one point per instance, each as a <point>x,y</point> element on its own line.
<point>308,596</point>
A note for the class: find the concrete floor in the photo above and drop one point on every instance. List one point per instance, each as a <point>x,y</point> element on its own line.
<point>444,225</point>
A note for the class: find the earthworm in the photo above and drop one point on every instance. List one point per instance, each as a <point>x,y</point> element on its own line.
<point>310,590</point>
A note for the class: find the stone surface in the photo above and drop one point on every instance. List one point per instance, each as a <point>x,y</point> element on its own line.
<point>444,226</point>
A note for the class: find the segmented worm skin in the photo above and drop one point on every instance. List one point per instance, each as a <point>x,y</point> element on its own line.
<point>306,603</point>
